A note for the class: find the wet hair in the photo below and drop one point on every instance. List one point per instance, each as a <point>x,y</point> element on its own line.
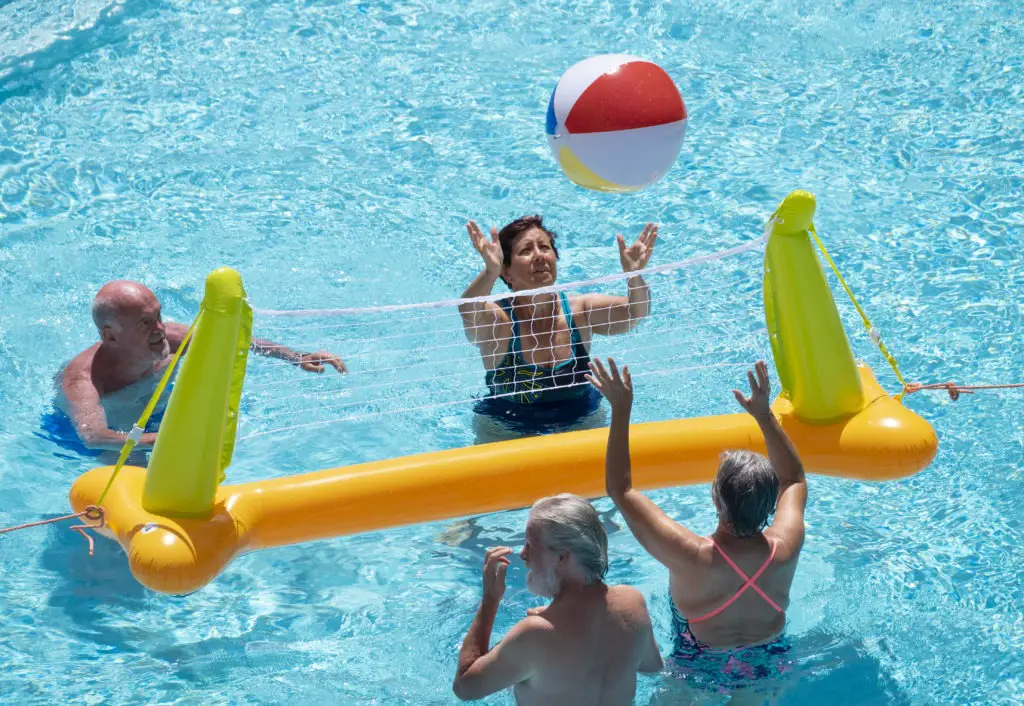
<point>745,492</point>
<point>569,523</point>
<point>508,234</point>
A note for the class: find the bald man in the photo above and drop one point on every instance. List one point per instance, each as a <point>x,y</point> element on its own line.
<point>118,374</point>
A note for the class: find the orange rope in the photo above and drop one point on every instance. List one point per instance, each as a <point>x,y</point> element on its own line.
<point>92,512</point>
<point>955,390</point>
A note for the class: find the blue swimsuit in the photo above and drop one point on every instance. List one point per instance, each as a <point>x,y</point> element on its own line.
<point>533,398</point>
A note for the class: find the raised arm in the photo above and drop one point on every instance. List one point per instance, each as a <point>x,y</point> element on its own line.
<point>665,539</point>
<point>788,525</point>
<point>88,416</point>
<point>608,315</point>
<point>479,318</point>
<point>483,671</point>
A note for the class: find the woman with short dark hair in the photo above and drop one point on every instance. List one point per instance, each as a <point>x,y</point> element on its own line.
<point>536,347</point>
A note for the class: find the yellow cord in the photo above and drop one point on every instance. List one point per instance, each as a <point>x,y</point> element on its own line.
<point>872,331</point>
<point>129,444</point>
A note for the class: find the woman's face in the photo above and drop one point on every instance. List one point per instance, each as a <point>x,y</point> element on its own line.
<point>532,263</point>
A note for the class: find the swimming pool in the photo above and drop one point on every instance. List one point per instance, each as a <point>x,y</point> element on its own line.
<point>332,151</point>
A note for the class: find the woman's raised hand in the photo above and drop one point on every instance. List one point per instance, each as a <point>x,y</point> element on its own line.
<point>490,250</point>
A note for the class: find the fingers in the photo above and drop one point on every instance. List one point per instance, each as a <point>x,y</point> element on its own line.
<point>496,553</point>
<point>494,236</point>
<point>598,367</point>
<point>744,402</point>
<point>762,375</point>
<point>615,370</point>
<point>751,381</point>
<point>312,366</point>
<point>652,237</point>
<point>621,242</point>
<point>626,377</point>
<point>314,362</point>
<point>496,561</point>
<point>474,234</point>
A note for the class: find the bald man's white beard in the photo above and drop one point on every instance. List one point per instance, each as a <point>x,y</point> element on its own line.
<point>161,352</point>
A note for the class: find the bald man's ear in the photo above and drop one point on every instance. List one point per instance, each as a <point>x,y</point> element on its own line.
<point>107,334</point>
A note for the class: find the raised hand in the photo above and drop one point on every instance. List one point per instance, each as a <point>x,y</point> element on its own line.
<point>490,250</point>
<point>616,388</point>
<point>635,257</point>
<point>495,565</point>
<point>759,402</point>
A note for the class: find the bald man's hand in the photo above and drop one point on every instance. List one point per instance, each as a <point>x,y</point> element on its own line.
<point>317,362</point>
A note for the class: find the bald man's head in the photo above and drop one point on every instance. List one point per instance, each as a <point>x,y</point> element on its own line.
<point>118,298</point>
<point>127,315</point>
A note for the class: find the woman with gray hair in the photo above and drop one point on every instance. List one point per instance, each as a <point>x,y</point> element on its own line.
<point>587,645</point>
<point>734,585</point>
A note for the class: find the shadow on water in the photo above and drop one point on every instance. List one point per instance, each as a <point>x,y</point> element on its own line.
<point>99,597</point>
<point>86,588</point>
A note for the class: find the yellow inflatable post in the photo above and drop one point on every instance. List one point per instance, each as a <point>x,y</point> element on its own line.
<point>812,354</point>
<point>197,434</point>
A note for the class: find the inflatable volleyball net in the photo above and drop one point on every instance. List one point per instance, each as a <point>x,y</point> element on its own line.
<point>410,363</point>
<point>413,373</point>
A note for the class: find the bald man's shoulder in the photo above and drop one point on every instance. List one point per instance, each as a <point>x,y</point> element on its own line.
<point>79,369</point>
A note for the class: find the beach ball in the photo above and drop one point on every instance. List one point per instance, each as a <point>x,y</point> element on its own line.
<point>615,123</point>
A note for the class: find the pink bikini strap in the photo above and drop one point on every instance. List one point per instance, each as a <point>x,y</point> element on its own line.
<point>748,583</point>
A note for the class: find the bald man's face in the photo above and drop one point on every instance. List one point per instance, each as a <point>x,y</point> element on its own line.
<point>137,326</point>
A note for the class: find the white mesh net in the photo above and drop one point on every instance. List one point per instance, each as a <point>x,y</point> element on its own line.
<point>406,362</point>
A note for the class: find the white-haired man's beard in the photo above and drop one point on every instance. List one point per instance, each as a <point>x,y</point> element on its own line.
<point>544,584</point>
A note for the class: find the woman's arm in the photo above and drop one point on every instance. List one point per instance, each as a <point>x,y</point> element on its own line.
<point>608,315</point>
<point>480,318</point>
<point>665,539</point>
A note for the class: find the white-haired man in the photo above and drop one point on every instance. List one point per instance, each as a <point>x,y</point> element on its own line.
<point>587,646</point>
<point>117,375</point>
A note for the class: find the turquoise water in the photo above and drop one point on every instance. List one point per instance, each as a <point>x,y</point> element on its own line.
<point>332,151</point>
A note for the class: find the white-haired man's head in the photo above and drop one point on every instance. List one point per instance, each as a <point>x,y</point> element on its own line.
<point>565,541</point>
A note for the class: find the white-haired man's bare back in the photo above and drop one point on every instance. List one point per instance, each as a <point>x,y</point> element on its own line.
<point>587,646</point>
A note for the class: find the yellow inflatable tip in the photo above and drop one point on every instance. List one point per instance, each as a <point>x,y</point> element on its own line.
<point>795,213</point>
<point>197,434</point>
<point>223,290</point>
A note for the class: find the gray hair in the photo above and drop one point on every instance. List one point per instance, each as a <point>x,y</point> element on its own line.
<point>745,491</point>
<point>570,523</point>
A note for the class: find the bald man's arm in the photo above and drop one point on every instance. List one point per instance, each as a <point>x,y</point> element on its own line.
<point>313,362</point>
<point>88,416</point>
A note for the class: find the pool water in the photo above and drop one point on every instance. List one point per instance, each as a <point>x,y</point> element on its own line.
<point>332,151</point>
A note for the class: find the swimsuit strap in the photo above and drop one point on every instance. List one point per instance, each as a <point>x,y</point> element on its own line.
<point>579,351</point>
<point>510,312</point>
<point>748,583</point>
<point>574,333</point>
